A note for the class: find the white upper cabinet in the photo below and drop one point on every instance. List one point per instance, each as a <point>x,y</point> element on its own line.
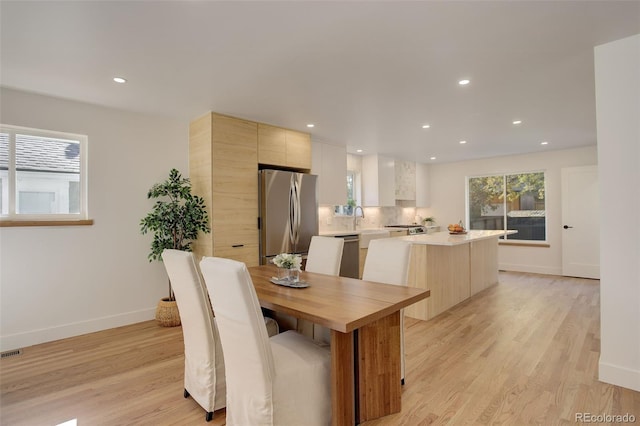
<point>378,181</point>
<point>423,196</point>
<point>329,162</point>
<point>405,180</point>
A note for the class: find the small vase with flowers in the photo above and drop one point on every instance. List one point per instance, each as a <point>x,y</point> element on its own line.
<point>288,266</point>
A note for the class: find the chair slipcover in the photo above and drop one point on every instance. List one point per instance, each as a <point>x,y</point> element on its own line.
<point>324,257</point>
<point>204,375</point>
<point>388,262</point>
<point>282,380</point>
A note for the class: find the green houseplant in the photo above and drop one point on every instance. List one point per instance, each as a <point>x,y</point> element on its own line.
<point>428,220</point>
<point>175,220</point>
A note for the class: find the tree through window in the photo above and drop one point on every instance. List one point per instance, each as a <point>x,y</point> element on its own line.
<point>510,201</point>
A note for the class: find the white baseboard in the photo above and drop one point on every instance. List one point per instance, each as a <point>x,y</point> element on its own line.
<point>529,268</point>
<point>34,337</point>
<point>619,376</point>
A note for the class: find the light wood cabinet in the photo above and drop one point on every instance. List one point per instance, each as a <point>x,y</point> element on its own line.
<point>484,271</point>
<point>298,149</point>
<point>223,168</point>
<point>283,147</point>
<point>398,233</point>
<point>452,273</point>
<point>445,271</point>
<point>329,162</point>
<point>272,145</point>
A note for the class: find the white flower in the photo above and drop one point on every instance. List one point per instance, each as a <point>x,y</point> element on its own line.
<point>288,261</point>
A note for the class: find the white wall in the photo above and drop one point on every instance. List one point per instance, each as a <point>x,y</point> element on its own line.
<point>448,200</point>
<point>617,72</point>
<point>57,282</point>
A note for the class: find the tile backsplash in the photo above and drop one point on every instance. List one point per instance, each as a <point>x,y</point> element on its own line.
<point>374,217</point>
<point>405,180</point>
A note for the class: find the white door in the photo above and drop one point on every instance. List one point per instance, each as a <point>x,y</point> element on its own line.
<point>580,222</point>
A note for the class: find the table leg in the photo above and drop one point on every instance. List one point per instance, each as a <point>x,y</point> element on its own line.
<point>342,378</point>
<point>380,391</point>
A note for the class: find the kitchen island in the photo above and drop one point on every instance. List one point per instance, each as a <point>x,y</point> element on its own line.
<point>452,267</point>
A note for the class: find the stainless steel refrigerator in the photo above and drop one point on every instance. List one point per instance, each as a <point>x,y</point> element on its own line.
<point>288,212</point>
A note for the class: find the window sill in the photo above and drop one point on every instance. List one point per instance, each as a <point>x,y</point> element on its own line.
<point>523,244</point>
<point>16,223</point>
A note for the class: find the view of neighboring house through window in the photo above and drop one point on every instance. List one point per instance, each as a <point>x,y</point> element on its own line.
<point>42,174</point>
<point>512,201</point>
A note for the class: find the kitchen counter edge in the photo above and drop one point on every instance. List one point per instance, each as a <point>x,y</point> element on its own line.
<point>445,239</point>
<point>345,233</point>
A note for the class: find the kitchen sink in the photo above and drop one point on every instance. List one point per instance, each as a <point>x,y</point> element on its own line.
<point>367,235</point>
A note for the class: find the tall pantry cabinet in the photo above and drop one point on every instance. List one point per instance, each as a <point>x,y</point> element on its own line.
<point>223,168</point>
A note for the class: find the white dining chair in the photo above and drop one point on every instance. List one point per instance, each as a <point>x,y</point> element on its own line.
<point>204,368</point>
<point>388,262</point>
<point>324,257</point>
<point>282,380</point>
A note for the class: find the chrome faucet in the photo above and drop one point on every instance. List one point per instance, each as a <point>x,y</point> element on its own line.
<point>355,217</point>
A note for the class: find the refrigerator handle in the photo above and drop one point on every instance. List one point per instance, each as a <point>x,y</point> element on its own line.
<point>294,212</point>
<point>298,214</point>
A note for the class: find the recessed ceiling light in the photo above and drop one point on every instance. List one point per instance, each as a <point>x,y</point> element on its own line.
<point>432,158</point>
<point>544,143</point>
<point>463,82</point>
<point>517,122</point>
<point>311,125</point>
<point>426,126</point>
<point>463,142</point>
<point>358,150</point>
<point>119,80</point>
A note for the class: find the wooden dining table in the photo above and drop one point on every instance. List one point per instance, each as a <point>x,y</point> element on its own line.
<point>364,318</point>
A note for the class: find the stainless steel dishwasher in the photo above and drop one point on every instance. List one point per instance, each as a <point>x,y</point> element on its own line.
<point>349,267</point>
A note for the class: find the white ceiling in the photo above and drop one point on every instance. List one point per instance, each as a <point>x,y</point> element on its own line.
<point>368,74</point>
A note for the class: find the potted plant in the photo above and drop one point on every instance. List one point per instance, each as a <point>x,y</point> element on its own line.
<point>427,221</point>
<point>175,220</point>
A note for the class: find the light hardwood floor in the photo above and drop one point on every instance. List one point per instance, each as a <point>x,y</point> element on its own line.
<point>522,352</point>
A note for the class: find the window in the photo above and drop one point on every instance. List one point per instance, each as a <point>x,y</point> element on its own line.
<point>352,195</point>
<point>42,175</point>
<point>513,201</point>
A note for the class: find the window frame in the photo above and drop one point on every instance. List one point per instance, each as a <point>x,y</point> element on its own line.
<point>347,210</point>
<point>505,239</point>
<point>16,219</point>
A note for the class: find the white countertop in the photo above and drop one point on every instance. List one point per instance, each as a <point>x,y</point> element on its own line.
<point>340,233</point>
<point>446,239</point>
<point>356,232</point>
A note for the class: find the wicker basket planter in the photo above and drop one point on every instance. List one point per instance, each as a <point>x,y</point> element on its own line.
<point>167,313</point>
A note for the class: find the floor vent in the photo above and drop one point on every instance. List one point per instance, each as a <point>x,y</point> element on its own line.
<point>8,354</point>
